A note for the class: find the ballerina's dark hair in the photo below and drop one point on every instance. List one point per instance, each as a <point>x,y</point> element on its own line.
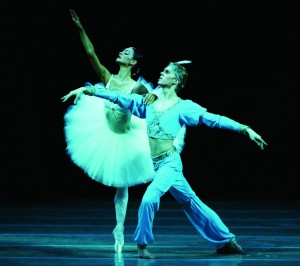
<point>138,57</point>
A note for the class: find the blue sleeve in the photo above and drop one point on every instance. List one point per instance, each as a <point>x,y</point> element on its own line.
<point>195,115</point>
<point>99,85</point>
<point>220,121</point>
<point>133,102</point>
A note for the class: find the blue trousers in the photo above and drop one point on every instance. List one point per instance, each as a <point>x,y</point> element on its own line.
<point>169,177</point>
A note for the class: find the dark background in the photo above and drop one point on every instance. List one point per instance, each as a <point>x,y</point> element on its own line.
<point>245,66</point>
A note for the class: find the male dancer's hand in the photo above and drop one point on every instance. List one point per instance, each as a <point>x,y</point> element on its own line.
<point>256,138</point>
<point>150,98</point>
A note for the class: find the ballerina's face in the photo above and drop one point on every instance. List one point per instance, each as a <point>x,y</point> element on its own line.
<point>126,56</point>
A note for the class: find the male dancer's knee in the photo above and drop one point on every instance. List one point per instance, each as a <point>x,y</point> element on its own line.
<point>151,200</point>
<point>184,199</point>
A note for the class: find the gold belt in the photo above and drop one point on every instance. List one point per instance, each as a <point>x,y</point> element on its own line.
<point>164,155</point>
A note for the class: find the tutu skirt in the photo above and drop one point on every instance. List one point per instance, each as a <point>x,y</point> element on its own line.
<point>113,159</point>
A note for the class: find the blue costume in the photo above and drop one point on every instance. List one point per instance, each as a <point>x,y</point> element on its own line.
<point>168,166</point>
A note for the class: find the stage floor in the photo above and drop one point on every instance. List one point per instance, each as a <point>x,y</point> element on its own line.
<point>79,232</point>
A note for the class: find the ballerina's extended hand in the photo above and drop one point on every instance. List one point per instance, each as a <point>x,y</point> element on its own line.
<point>77,93</point>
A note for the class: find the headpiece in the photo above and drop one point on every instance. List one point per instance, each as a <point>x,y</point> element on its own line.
<point>180,71</point>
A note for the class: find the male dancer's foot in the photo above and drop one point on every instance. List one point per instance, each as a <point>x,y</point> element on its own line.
<point>143,253</point>
<point>232,247</point>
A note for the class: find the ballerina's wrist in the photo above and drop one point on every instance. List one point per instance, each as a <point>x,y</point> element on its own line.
<point>89,90</point>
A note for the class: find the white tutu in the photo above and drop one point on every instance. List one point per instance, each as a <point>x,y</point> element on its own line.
<point>117,160</point>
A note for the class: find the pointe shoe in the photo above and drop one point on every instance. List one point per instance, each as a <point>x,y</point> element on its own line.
<point>145,254</point>
<point>119,260</point>
<point>118,234</point>
<point>118,247</point>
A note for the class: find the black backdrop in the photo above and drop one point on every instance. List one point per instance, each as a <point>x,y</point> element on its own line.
<point>245,66</point>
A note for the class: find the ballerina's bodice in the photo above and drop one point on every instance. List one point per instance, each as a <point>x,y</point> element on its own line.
<point>118,118</point>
